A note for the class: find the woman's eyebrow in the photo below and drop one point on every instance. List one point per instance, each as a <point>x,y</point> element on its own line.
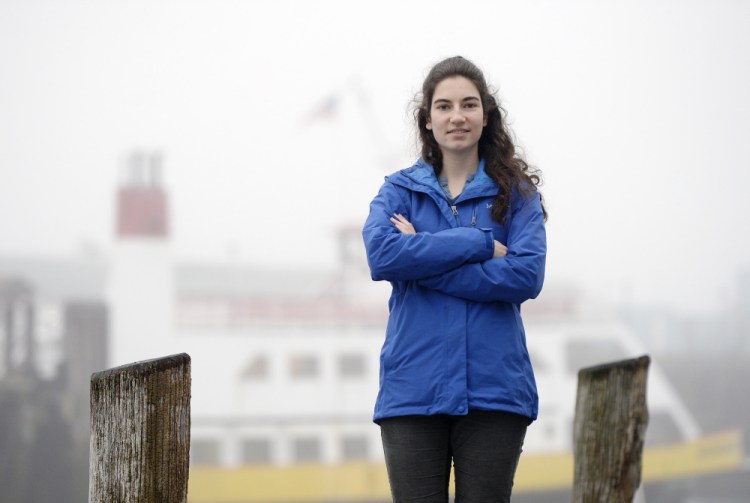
<point>446,100</point>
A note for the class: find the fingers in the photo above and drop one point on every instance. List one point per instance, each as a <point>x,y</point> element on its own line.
<point>402,224</point>
<point>400,218</point>
<point>500,250</point>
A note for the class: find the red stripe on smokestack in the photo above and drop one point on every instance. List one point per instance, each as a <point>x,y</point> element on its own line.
<point>141,202</point>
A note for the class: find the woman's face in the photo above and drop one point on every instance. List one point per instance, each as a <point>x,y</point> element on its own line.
<point>456,116</point>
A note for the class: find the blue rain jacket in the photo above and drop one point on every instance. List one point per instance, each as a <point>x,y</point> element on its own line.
<point>454,339</point>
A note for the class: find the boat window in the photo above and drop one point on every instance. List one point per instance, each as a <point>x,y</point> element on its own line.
<point>303,366</point>
<point>354,447</point>
<point>204,452</point>
<point>351,365</point>
<point>257,368</point>
<point>307,450</point>
<point>256,451</point>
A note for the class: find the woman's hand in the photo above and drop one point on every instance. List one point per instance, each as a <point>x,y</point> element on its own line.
<point>403,224</point>
<point>500,250</point>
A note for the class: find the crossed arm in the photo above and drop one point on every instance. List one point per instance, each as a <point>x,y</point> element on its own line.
<point>463,262</point>
<point>406,227</point>
<point>395,256</point>
<point>513,274</point>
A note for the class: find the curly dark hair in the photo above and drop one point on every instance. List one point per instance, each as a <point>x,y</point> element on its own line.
<point>502,163</point>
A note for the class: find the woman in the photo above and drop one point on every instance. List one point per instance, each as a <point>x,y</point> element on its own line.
<point>460,236</point>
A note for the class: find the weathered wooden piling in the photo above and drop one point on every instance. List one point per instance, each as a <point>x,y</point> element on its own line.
<point>140,432</point>
<point>609,431</point>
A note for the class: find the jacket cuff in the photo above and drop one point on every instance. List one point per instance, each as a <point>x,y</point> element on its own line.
<point>489,240</point>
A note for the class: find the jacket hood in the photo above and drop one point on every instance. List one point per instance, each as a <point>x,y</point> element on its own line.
<point>421,177</point>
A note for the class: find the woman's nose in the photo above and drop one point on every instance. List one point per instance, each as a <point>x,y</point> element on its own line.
<point>457,116</point>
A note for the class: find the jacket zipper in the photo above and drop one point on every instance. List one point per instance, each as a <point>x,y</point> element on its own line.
<point>454,209</point>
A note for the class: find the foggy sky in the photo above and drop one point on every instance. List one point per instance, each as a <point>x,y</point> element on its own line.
<point>636,112</point>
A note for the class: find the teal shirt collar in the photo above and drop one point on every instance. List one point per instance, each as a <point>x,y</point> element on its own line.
<point>423,173</point>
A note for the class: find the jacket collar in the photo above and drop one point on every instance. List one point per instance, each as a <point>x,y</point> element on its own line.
<point>421,178</point>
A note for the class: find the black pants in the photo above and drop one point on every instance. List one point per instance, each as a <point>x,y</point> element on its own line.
<point>485,447</point>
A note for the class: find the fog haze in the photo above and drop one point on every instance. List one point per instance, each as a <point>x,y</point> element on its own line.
<point>278,121</point>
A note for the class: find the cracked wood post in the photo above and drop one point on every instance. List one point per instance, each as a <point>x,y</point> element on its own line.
<point>609,430</point>
<point>140,432</point>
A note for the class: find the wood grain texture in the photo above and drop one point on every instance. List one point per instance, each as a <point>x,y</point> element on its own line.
<point>140,432</point>
<point>610,428</point>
